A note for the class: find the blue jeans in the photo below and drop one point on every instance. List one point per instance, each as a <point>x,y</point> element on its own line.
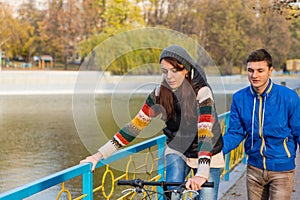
<point>177,170</point>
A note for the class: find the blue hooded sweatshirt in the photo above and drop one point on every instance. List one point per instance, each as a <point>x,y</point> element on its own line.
<point>269,122</point>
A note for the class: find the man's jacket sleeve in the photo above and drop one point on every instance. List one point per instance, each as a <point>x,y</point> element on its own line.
<point>235,133</point>
<point>294,118</point>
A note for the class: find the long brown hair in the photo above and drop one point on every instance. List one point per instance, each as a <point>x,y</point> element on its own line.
<point>188,97</point>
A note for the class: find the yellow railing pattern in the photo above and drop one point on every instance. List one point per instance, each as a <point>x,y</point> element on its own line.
<point>236,156</point>
<point>109,179</point>
<point>64,190</point>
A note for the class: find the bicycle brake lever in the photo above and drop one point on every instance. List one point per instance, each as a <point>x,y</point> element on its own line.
<point>136,190</point>
<point>192,191</point>
<point>128,190</point>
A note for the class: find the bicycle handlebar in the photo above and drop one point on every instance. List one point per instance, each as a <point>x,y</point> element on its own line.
<point>140,183</point>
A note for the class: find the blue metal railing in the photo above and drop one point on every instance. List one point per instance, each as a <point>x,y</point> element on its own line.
<point>84,170</point>
<point>47,182</point>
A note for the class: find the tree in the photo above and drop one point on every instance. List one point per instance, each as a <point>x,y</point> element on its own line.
<point>50,30</point>
<point>90,22</point>
<point>291,10</point>
<point>273,29</point>
<point>225,31</point>
<point>30,17</point>
<point>71,30</point>
<point>115,16</point>
<point>60,31</point>
<point>154,12</point>
<point>7,22</point>
<point>120,15</point>
<point>17,35</point>
<point>229,30</point>
<point>294,51</point>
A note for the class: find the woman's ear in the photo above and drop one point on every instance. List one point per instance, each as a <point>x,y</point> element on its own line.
<point>187,74</point>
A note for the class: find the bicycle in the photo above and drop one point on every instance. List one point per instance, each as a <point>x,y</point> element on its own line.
<point>178,189</point>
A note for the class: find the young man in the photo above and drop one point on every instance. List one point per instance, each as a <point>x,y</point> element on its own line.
<point>267,115</point>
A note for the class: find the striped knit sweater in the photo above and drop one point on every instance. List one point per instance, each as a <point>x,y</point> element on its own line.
<point>205,122</point>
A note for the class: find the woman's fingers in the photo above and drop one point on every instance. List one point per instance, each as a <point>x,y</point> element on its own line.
<point>195,183</point>
<point>90,159</point>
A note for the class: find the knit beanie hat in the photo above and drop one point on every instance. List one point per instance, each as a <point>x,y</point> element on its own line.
<point>180,54</point>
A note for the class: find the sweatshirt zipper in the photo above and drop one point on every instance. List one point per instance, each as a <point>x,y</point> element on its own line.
<point>260,119</point>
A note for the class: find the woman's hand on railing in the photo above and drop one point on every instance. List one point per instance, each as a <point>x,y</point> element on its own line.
<point>195,183</point>
<point>94,159</point>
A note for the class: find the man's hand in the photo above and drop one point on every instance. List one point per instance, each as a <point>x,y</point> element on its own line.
<point>94,159</point>
<point>195,183</point>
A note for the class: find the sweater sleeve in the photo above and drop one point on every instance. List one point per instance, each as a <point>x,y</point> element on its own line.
<point>206,120</point>
<point>130,131</point>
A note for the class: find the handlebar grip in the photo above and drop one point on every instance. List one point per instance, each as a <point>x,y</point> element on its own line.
<point>125,182</point>
<point>135,182</point>
<point>209,184</point>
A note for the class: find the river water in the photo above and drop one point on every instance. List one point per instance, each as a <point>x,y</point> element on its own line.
<point>38,138</point>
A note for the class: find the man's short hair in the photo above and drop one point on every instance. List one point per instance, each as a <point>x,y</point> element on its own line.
<point>260,55</point>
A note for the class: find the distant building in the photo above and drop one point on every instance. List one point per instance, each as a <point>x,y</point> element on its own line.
<point>293,65</point>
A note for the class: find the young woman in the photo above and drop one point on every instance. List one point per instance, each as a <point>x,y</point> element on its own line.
<point>186,103</point>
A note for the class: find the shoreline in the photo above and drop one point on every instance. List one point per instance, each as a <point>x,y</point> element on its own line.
<point>95,82</point>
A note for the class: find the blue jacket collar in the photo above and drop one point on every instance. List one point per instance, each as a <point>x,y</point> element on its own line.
<point>267,90</point>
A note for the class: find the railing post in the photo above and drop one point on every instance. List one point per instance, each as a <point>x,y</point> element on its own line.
<point>227,167</point>
<point>244,158</point>
<point>161,161</point>
<point>87,185</point>
<point>160,154</point>
<point>227,156</point>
